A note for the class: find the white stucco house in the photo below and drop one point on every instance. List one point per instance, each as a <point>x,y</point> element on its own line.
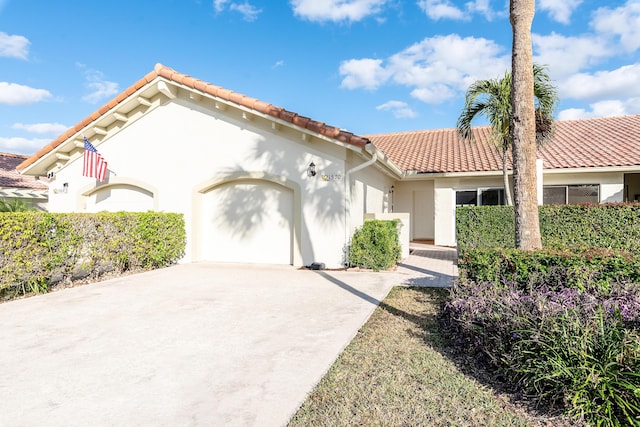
<point>257,183</point>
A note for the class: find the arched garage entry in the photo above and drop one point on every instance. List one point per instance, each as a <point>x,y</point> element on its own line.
<point>247,217</point>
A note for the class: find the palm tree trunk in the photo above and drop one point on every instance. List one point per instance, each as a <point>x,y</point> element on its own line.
<point>523,128</point>
<point>505,177</point>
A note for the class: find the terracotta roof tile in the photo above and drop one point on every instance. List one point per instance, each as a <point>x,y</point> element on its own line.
<point>220,92</point>
<point>9,176</point>
<point>586,143</point>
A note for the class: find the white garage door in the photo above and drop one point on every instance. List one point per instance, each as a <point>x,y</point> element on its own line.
<point>247,221</point>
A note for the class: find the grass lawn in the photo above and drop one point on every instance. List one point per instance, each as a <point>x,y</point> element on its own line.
<point>396,372</point>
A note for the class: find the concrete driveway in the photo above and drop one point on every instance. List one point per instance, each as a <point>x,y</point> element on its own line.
<point>190,345</point>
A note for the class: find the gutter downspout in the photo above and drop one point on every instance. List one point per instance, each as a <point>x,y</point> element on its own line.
<point>369,148</point>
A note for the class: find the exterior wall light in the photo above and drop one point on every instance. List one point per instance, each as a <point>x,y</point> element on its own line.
<point>311,170</point>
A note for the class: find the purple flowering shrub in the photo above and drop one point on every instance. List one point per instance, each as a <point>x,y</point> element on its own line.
<point>567,340</point>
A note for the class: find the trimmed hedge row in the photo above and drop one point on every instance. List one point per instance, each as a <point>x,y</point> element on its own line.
<point>41,249</point>
<point>593,225</point>
<point>577,268</point>
<point>376,245</point>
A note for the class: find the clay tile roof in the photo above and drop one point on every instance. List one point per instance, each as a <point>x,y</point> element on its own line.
<point>9,176</point>
<point>196,84</point>
<point>584,143</point>
<point>439,150</point>
<point>611,141</point>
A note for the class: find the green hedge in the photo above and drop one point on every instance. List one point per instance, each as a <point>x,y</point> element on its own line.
<point>592,225</point>
<point>561,324</point>
<point>40,249</point>
<point>576,268</point>
<point>376,245</point>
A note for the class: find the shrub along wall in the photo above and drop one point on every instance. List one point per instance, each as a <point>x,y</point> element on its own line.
<point>41,249</point>
<point>576,267</point>
<point>376,245</point>
<point>592,225</point>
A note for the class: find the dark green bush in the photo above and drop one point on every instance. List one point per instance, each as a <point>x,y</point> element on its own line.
<point>548,267</point>
<point>593,225</point>
<point>39,249</point>
<point>375,245</point>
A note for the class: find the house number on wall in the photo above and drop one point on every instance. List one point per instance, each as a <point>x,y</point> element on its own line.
<point>332,177</point>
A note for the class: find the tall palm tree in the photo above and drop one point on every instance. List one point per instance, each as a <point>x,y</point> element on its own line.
<point>523,127</point>
<point>492,99</point>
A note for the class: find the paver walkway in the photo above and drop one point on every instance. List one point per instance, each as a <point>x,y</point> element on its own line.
<point>429,265</point>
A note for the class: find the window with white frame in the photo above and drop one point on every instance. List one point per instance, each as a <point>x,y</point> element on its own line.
<point>571,194</point>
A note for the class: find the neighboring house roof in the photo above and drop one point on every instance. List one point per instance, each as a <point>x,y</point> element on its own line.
<point>119,107</point>
<point>439,151</point>
<point>584,143</point>
<point>9,176</point>
<point>12,184</point>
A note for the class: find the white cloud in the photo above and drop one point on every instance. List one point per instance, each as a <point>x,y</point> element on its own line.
<point>559,10</point>
<point>399,109</point>
<point>100,87</point>
<point>483,7</point>
<point>435,69</point>
<point>446,9</point>
<point>249,12</point>
<point>434,94</point>
<point>363,73</point>
<point>277,64</point>
<point>622,22</point>
<point>22,145</point>
<point>336,10</point>
<point>41,128</point>
<point>14,46</point>
<point>567,55</point>
<point>612,93</point>
<point>620,83</point>
<point>15,94</point>
<point>218,5</point>
<point>442,9</point>
<point>608,108</point>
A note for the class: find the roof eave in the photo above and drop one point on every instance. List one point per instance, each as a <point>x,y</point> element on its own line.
<point>167,83</point>
<point>593,169</point>
<point>417,176</point>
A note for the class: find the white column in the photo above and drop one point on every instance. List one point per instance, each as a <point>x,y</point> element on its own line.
<point>540,179</point>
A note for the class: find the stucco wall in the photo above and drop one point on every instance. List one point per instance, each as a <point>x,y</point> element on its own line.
<point>611,183</point>
<point>179,147</point>
<point>417,199</point>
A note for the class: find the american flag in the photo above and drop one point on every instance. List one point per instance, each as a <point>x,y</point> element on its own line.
<point>95,166</point>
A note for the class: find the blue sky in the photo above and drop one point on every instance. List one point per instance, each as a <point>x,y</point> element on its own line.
<point>368,66</point>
